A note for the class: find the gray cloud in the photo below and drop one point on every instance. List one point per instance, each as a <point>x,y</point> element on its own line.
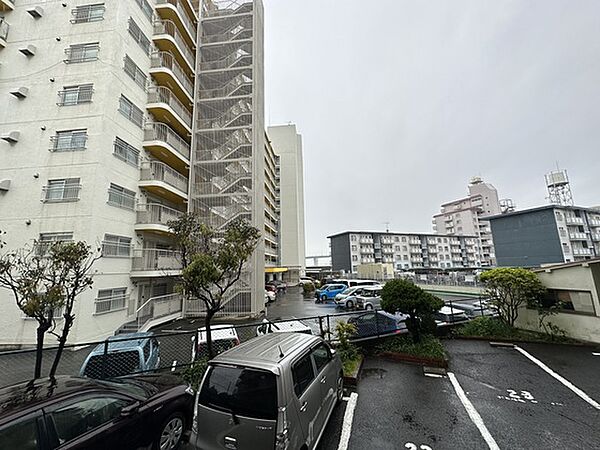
<point>401,102</point>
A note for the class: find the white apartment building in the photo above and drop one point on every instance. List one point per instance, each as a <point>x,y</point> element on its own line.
<point>103,102</point>
<point>287,143</point>
<point>406,251</point>
<point>466,216</point>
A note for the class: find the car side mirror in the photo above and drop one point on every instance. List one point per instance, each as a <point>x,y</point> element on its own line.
<point>130,410</point>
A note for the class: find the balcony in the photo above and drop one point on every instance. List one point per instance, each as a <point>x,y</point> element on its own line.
<point>168,38</point>
<point>166,107</point>
<point>577,236</point>
<point>154,217</point>
<point>595,236</point>
<point>7,5</point>
<point>167,72</point>
<point>175,11</point>
<point>155,262</point>
<point>594,222</point>
<point>582,251</point>
<point>4,27</point>
<point>164,181</point>
<point>166,145</point>
<point>574,220</point>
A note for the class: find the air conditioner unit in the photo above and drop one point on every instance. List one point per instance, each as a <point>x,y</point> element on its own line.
<point>11,137</point>
<point>21,92</point>
<point>28,50</point>
<point>4,185</point>
<point>36,12</point>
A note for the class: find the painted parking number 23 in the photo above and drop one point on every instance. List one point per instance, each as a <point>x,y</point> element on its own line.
<point>411,446</point>
<point>524,394</point>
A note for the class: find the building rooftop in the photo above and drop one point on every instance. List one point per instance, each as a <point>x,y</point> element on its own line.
<point>429,233</point>
<point>539,208</point>
<point>550,267</point>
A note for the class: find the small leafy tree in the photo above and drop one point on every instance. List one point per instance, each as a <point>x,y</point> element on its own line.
<point>511,288</point>
<point>403,296</point>
<point>44,283</point>
<point>347,350</point>
<point>213,261</point>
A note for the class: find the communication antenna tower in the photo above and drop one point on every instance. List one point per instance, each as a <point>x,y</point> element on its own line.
<point>507,205</point>
<point>559,188</point>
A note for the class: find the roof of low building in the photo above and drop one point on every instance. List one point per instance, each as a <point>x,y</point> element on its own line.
<point>584,263</point>
<point>395,233</point>
<point>539,208</point>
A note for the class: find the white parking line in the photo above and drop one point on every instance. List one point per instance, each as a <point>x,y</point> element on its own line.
<point>595,354</point>
<point>347,425</point>
<point>563,380</point>
<point>473,414</point>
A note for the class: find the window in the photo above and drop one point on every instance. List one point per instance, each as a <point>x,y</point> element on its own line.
<point>146,8</point>
<point>111,300</point>
<point>138,36</point>
<point>76,419</point>
<point>403,238</point>
<point>354,248</point>
<point>75,95</point>
<point>354,258</point>
<point>353,238</point>
<point>396,239</point>
<point>88,13</point>
<point>21,435</point>
<point>47,239</point>
<point>134,72</point>
<point>321,355</point>
<point>121,197</point>
<point>132,112</point>
<point>247,392</point>
<point>126,152</point>
<point>303,374</point>
<point>570,301</point>
<point>405,257</point>
<point>62,190</point>
<point>68,140</point>
<point>116,246</point>
<point>79,53</point>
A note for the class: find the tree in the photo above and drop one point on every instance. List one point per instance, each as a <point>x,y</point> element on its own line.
<point>43,284</point>
<point>403,296</point>
<point>511,288</point>
<point>212,261</point>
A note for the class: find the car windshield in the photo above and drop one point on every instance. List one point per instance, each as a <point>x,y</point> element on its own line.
<point>115,364</point>
<point>240,391</point>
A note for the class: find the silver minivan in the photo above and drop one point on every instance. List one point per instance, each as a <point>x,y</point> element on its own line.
<point>275,391</point>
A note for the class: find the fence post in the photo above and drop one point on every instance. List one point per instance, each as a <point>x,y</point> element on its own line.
<point>377,323</point>
<point>321,326</point>
<point>103,370</point>
<point>452,310</point>
<point>328,330</point>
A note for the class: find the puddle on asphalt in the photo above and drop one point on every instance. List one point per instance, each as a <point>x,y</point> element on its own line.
<point>375,372</point>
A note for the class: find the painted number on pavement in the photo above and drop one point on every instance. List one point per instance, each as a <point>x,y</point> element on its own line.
<point>411,446</point>
<point>516,396</point>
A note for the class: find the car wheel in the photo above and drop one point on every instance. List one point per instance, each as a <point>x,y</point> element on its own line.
<point>323,298</point>
<point>368,306</point>
<point>349,304</point>
<point>340,389</point>
<point>171,433</point>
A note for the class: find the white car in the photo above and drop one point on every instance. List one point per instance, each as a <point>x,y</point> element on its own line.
<point>288,326</point>
<point>223,338</point>
<point>270,296</point>
<point>449,316</point>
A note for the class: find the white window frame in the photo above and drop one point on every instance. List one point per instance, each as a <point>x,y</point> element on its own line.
<point>138,36</point>
<point>126,152</point>
<point>131,111</point>
<point>88,13</point>
<point>83,52</point>
<point>110,300</point>
<point>121,197</point>
<point>69,140</point>
<point>68,188</point>
<point>134,72</point>
<point>75,95</point>
<point>115,246</point>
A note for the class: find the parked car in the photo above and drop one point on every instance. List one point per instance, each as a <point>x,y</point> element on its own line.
<point>375,323</point>
<point>280,286</point>
<point>328,292</point>
<point>352,283</point>
<point>367,298</point>
<point>346,292</point>
<point>292,325</point>
<point>224,337</point>
<point>449,316</point>
<point>474,310</point>
<point>125,354</point>
<point>306,280</point>
<point>273,392</point>
<point>369,302</point>
<point>81,413</point>
<point>270,296</point>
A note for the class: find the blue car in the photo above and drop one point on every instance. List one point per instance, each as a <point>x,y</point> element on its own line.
<point>329,291</point>
<point>125,354</point>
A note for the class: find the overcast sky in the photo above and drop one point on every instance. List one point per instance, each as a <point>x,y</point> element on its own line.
<point>401,102</point>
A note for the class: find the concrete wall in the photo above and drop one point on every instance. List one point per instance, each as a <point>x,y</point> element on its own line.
<point>526,240</point>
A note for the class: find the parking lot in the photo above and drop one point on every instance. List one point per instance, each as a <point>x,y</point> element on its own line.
<point>509,401</point>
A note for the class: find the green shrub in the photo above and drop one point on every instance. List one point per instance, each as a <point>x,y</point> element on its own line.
<point>308,289</point>
<point>348,352</point>
<point>428,347</point>
<point>487,327</point>
<point>193,374</point>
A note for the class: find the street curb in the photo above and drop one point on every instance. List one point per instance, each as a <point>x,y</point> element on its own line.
<point>519,341</point>
<point>353,381</point>
<point>416,360</point>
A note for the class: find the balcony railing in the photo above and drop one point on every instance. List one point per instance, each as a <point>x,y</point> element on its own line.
<point>161,94</point>
<point>577,235</point>
<point>237,33</point>
<point>156,131</point>
<point>239,109</point>
<point>229,88</point>
<point>575,220</point>
<point>167,60</point>
<point>582,251</point>
<point>169,27</point>
<point>59,194</point>
<point>158,307</point>
<point>226,62</point>
<point>155,213</point>
<point>158,171</point>
<point>155,259</point>
<point>232,7</point>
<point>182,13</point>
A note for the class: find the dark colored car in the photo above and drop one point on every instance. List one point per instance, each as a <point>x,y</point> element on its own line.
<point>376,323</point>
<point>82,413</point>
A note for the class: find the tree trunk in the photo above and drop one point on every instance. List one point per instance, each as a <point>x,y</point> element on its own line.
<point>39,349</point>
<point>61,344</point>
<point>415,329</point>
<point>207,320</point>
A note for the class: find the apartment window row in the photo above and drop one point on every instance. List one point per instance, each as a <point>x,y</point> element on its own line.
<point>135,72</point>
<point>69,140</point>
<point>88,13</point>
<point>114,246</point>
<point>75,95</point>
<point>132,112</point>
<point>121,197</point>
<point>139,37</point>
<point>146,8</point>
<point>79,53</point>
<point>109,300</point>
<point>61,190</point>
<point>126,152</point>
